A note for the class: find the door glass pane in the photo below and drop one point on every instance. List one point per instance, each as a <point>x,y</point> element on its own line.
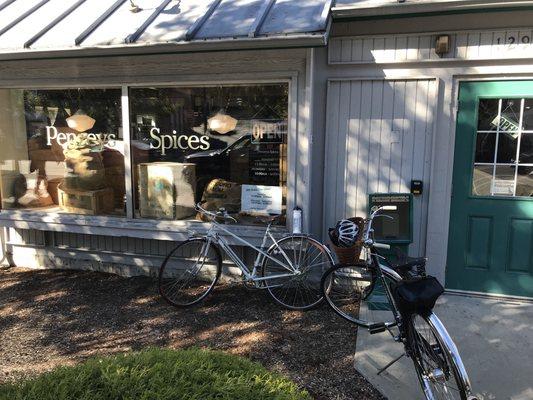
<point>503,182</point>
<point>510,116</point>
<point>526,148</point>
<point>485,145</point>
<point>496,169</point>
<point>524,181</point>
<point>528,114</point>
<point>482,180</point>
<point>507,143</point>
<point>488,111</point>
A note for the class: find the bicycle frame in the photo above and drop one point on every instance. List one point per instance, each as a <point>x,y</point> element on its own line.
<point>214,237</point>
<point>384,271</point>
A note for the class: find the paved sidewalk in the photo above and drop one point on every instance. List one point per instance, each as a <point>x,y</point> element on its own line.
<point>494,337</point>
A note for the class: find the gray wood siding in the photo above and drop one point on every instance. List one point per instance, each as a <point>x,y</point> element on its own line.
<point>378,138</point>
<point>122,248</point>
<point>468,45</point>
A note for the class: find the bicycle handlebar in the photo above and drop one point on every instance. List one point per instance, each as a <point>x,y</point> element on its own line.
<point>221,213</point>
<point>367,240</point>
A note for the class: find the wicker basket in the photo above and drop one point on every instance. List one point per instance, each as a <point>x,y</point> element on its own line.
<point>350,255</point>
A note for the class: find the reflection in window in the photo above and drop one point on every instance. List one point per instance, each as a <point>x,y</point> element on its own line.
<point>62,151</point>
<point>225,146</point>
<point>503,161</point>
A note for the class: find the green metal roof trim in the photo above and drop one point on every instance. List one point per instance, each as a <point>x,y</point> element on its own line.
<point>32,27</point>
<point>376,8</point>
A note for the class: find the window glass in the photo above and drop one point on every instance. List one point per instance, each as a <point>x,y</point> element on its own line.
<point>510,115</point>
<point>487,112</point>
<point>503,160</point>
<point>62,151</point>
<point>507,143</point>
<point>225,146</point>
<point>526,148</point>
<point>482,180</point>
<point>528,115</point>
<point>485,145</point>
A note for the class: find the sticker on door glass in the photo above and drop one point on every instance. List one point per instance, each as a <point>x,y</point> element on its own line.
<point>502,187</point>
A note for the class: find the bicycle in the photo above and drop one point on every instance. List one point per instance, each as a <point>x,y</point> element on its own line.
<point>380,295</point>
<point>290,269</point>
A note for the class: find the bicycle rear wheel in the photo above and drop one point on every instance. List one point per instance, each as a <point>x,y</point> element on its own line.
<point>189,272</point>
<point>294,281</point>
<point>440,376</point>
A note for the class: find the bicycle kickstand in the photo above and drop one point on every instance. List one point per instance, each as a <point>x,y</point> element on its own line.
<point>390,364</point>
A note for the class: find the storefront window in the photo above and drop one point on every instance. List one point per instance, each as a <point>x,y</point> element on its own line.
<point>225,146</point>
<point>62,151</point>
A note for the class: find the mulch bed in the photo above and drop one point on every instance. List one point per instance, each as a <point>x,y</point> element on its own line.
<point>50,318</point>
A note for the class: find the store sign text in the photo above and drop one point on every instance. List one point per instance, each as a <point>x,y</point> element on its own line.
<point>63,139</point>
<point>175,141</point>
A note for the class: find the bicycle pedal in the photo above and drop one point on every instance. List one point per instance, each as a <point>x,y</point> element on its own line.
<point>377,328</point>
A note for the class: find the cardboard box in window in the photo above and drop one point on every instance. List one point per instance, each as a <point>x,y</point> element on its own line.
<point>91,202</point>
<point>167,190</point>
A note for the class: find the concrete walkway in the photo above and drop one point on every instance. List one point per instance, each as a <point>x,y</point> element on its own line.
<point>494,337</point>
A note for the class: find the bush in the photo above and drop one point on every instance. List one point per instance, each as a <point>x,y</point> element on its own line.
<point>157,374</point>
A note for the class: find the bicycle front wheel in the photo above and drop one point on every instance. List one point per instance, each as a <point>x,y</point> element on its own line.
<point>293,270</point>
<point>189,272</point>
<point>357,294</point>
<point>440,376</point>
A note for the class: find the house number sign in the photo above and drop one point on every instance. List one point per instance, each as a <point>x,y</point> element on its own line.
<point>510,40</point>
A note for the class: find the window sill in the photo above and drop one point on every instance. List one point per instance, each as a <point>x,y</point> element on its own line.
<point>124,227</point>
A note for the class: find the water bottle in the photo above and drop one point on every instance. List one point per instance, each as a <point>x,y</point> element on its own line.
<point>297,220</point>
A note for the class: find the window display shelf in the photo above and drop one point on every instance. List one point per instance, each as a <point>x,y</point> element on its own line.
<point>47,220</point>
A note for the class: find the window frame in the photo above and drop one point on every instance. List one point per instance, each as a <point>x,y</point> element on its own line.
<point>152,228</point>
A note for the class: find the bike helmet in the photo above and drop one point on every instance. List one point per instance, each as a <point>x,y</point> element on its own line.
<point>346,232</point>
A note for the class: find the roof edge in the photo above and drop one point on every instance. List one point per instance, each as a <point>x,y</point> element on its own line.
<point>230,44</point>
<point>354,11</point>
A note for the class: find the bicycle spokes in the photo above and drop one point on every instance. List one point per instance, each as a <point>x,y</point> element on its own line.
<point>435,370</point>
<point>308,260</point>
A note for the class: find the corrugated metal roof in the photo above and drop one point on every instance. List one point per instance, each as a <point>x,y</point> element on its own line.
<point>53,25</point>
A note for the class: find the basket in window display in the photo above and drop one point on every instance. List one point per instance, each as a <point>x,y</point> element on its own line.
<point>83,157</point>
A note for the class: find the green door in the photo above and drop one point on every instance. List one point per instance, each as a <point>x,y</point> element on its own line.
<point>491,224</point>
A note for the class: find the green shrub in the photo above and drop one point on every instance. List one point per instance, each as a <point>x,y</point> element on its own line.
<point>157,374</point>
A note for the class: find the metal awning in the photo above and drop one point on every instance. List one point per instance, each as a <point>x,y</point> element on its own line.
<point>32,27</point>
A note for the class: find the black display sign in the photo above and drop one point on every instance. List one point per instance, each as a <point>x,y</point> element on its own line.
<point>264,165</point>
<point>398,228</point>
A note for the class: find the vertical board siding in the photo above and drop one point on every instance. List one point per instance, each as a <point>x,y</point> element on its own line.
<point>98,243</point>
<point>467,45</point>
<point>383,129</point>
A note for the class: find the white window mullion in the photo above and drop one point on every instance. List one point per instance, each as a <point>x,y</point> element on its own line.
<point>126,135</point>
<point>518,145</point>
<point>496,148</point>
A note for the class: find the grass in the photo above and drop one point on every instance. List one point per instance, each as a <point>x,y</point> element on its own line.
<point>158,374</point>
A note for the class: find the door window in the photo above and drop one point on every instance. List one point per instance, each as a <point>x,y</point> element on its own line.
<point>503,160</point>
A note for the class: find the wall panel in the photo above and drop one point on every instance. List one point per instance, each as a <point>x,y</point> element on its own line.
<point>465,45</point>
<point>383,129</point>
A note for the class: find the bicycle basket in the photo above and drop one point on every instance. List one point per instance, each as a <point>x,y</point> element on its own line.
<point>417,295</point>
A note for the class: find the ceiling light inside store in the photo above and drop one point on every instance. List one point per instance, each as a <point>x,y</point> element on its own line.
<point>222,123</point>
<point>80,121</point>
